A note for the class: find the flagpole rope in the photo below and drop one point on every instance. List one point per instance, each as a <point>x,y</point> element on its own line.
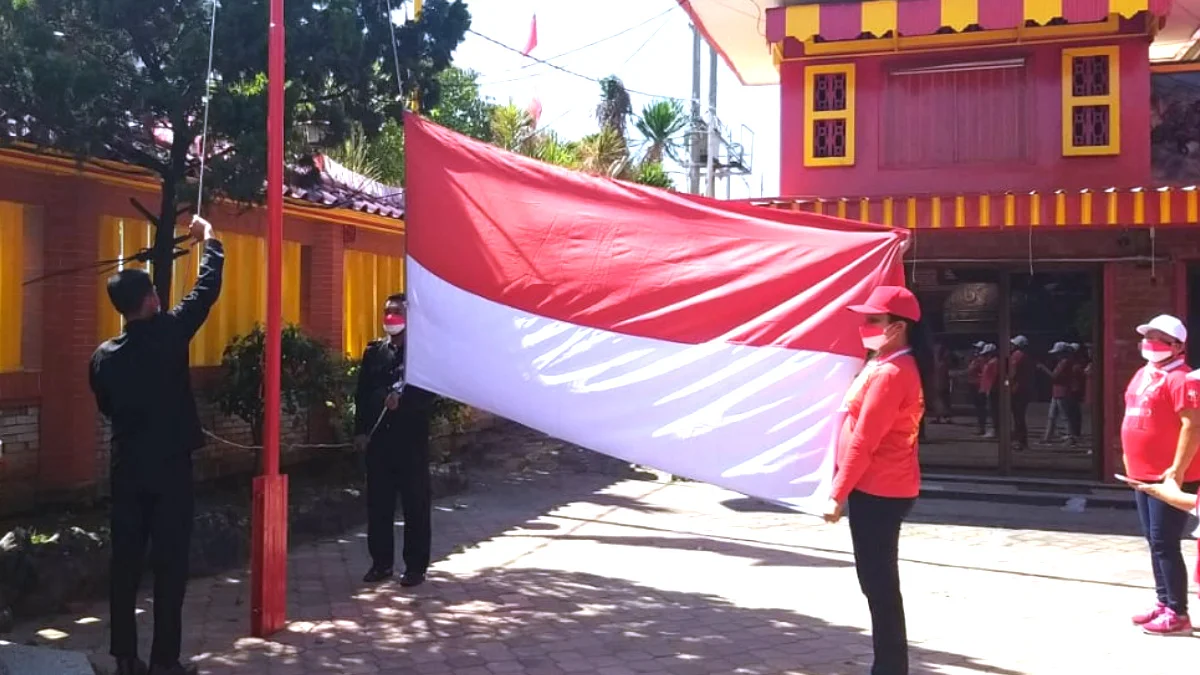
<point>208,87</point>
<point>293,446</point>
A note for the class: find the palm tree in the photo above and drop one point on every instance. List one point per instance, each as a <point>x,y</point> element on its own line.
<point>604,153</point>
<point>660,123</point>
<point>512,128</point>
<point>615,107</point>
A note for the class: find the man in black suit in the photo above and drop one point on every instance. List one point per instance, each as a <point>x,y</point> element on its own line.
<point>142,383</point>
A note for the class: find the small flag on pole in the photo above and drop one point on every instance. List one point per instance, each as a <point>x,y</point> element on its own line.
<point>532,43</point>
<point>535,110</point>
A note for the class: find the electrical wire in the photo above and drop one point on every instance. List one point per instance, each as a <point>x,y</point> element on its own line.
<point>581,75</point>
<point>579,49</point>
<point>643,45</point>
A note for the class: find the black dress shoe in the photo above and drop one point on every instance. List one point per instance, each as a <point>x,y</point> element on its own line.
<point>377,574</point>
<point>410,580</point>
<point>131,666</point>
<point>174,669</point>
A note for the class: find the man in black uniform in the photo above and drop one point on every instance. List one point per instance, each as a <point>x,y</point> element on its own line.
<point>393,428</point>
<point>141,380</point>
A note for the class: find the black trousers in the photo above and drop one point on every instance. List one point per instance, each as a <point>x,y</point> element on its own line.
<point>1020,408</point>
<point>159,517</point>
<point>981,410</point>
<point>1163,526</point>
<point>398,465</point>
<point>875,530</point>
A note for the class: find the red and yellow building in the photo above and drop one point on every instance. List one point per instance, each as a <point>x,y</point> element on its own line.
<point>1046,154</point>
<point>343,255</point>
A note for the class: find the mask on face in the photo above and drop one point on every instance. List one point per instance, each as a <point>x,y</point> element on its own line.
<point>1155,351</point>
<point>393,324</point>
<point>873,337</point>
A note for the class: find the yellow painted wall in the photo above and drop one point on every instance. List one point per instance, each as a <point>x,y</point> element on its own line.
<point>12,271</point>
<point>369,279</point>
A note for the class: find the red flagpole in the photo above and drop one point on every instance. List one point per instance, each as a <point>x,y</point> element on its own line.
<point>268,578</point>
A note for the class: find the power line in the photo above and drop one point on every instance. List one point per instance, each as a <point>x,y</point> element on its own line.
<point>643,45</point>
<point>581,76</point>
<point>589,45</point>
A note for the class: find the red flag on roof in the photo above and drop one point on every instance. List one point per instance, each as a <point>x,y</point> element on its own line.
<point>660,328</point>
<point>532,43</point>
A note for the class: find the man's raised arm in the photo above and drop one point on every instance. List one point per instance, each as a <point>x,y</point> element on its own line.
<point>194,308</point>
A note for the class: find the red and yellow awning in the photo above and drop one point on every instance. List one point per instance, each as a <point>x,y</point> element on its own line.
<point>1135,207</point>
<point>833,21</point>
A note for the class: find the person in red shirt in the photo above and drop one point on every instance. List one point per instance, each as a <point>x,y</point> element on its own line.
<point>877,474</point>
<point>987,386</point>
<point>1060,380</point>
<point>1021,383</point>
<point>1160,435</point>
<point>978,396</point>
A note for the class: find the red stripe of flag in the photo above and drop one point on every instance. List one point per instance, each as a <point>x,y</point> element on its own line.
<point>575,248</point>
<point>1000,14</point>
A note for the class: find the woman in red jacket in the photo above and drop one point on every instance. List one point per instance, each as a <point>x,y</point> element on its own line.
<point>878,476</point>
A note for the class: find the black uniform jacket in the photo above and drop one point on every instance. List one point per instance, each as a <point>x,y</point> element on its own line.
<point>142,382</point>
<point>382,366</point>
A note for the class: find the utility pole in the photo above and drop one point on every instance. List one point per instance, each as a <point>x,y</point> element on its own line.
<point>713,138</point>
<point>694,134</point>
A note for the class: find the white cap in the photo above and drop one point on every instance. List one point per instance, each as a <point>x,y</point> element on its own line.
<point>980,345</point>
<point>987,349</point>
<point>1021,341</point>
<point>1060,347</point>
<point>1165,323</point>
<point>1074,346</point>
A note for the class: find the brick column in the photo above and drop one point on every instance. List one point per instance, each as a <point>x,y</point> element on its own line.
<point>1130,299</point>
<point>67,461</point>
<point>325,285</point>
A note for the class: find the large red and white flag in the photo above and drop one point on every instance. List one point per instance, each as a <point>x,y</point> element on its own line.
<point>703,338</point>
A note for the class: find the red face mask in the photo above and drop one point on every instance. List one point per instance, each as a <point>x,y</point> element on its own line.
<point>874,337</point>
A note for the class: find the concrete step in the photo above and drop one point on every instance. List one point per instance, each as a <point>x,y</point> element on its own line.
<point>22,660</point>
<point>1037,493</point>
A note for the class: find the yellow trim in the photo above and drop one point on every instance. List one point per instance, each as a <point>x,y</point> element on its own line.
<point>1128,8</point>
<point>960,211</point>
<point>1164,206</point>
<point>811,116</point>
<point>841,208</point>
<point>1042,11</point>
<point>935,213</point>
<point>1085,208</point>
<point>888,203</point>
<point>1112,100</point>
<point>940,41</point>
<point>802,20</point>
<point>12,293</point>
<point>985,210</point>
<point>957,14</point>
<point>1060,209</point>
<point>1175,68</point>
<point>1113,209</point>
<point>879,16</point>
<point>1139,208</point>
<point>1035,209</point>
<point>864,210</point>
<point>1010,210</point>
<point>819,207</point>
<point>1193,212</point>
<point>911,212</point>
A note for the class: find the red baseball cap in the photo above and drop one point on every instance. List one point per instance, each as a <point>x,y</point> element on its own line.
<point>895,300</point>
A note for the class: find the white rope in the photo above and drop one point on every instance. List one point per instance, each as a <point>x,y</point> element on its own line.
<point>297,446</point>
<point>208,87</point>
<point>395,53</point>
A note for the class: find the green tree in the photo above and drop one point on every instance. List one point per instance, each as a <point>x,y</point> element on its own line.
<point>94,78</point>
<point>661,124</point>
<point>615,106</point>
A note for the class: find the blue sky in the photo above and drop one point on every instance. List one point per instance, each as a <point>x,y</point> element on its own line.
<point>654,57</point>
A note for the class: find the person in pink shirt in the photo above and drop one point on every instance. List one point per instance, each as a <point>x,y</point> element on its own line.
<point>1160,435</point>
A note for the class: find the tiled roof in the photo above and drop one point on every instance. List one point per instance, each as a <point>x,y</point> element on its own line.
<point>332,185</point>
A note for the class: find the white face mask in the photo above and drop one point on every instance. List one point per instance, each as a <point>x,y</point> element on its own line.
<point>393,329</point>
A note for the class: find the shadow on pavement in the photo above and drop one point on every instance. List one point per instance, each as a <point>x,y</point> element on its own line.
<point>536,621</point>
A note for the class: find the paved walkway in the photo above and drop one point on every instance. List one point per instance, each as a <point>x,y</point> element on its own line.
<point>557,572</point>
